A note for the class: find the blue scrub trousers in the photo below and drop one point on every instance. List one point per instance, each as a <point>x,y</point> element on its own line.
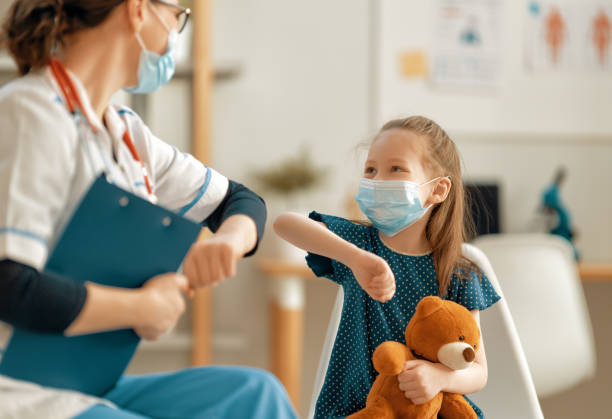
<point>206,392</point>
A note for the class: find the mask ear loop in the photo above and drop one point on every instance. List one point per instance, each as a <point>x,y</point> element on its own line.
<point>141,42</point>
<point>164,24</point>
<point>161,20</point>
<point>433,180</point>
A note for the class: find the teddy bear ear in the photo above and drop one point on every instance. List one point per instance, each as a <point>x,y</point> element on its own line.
<point>428,306</point>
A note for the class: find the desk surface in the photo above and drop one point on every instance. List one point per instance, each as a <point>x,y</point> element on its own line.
<point>589,272</point>
<point>595,272</point>
<point>276,267</point>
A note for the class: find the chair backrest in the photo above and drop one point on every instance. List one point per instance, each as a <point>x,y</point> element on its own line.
<point>510,392</point>
<point>541,285</point>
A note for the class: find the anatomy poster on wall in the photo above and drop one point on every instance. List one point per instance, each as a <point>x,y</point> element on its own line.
<point>467,43</point>
<point>564,36</point>
<point>596,37</point>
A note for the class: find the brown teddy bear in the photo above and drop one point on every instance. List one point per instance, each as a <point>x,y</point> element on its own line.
<point>440,331</point>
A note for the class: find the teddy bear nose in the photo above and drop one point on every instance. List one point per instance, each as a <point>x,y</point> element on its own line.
<point>468,354</point>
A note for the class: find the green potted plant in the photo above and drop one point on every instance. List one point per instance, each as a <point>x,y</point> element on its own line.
<point>285,187</point>
<point>292,176</point>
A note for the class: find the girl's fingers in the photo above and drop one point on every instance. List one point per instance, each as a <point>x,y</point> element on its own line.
<point>379,283</point>
<point>409,387</point>
<point>382,280</point>
<point>390,288</point>
<point>408,365</point>
<point>412,395</point>
<point>386,296</point>
<point>389,297</point>
<point>384,291</point>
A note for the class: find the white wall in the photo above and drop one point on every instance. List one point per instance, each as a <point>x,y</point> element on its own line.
<point>546,102</point>
<point>305,79</point>
<point>518,134</point>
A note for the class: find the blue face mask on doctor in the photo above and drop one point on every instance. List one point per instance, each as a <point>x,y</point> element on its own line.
<point>154,70</point>
<point>391,205</point>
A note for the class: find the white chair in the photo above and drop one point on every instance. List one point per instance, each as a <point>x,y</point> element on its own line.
<point>510,393</point>
<point>540,280</point>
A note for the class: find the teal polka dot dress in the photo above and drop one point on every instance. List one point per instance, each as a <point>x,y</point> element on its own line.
<point>366,323</point>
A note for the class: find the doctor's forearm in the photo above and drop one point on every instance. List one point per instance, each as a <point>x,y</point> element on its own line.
<point>240,200</point>
<point>106,308</point>
<point>37,301</point>
<point>241,231</point>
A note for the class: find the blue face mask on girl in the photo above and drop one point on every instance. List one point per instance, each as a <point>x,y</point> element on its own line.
<point>154,70</point>
<point>391,205</point>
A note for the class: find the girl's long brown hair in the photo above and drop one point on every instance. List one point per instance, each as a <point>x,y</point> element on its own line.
<point>33,28</point>
<point>449,224</point>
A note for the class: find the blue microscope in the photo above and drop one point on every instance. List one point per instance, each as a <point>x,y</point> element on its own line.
<point>552,204</point>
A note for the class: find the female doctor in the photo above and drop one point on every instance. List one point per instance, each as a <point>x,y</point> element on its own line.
<point>48,160</point>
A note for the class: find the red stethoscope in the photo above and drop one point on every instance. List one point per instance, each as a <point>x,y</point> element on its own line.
<point>73,101</point>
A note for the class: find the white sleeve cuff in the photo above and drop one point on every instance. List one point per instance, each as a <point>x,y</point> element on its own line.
<point>23,246</point>
<point>209,197</point>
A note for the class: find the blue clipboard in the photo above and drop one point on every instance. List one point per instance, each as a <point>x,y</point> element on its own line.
<point>114,238</point>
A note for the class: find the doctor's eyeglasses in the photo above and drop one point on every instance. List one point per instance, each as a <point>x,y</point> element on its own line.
<point>182,13</point>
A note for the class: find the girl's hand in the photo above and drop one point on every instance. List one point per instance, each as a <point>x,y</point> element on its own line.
<point>161,305</point>
<point>211,261</point>
<point>422,380</point>
<point>374,275</point>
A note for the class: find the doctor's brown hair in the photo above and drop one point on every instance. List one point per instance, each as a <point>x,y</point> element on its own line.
<point>34,27</point>
<point>449,224</point>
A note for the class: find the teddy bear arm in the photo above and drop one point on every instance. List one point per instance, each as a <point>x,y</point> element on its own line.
<point>456,406</point>
<point>377,407</point>
<point>389,358</point>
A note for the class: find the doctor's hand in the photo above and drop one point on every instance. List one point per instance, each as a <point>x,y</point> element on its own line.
<point>211,261</point>
<point>161,305</point>
<point>374,275</point>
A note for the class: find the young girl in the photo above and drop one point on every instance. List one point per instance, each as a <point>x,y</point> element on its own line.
<point>412,193</point>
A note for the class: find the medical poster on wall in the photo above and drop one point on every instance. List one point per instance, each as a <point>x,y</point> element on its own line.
<point>595,34</point>
<point>568,36</point>
<point>549,42</point>
<point>467,44</point>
